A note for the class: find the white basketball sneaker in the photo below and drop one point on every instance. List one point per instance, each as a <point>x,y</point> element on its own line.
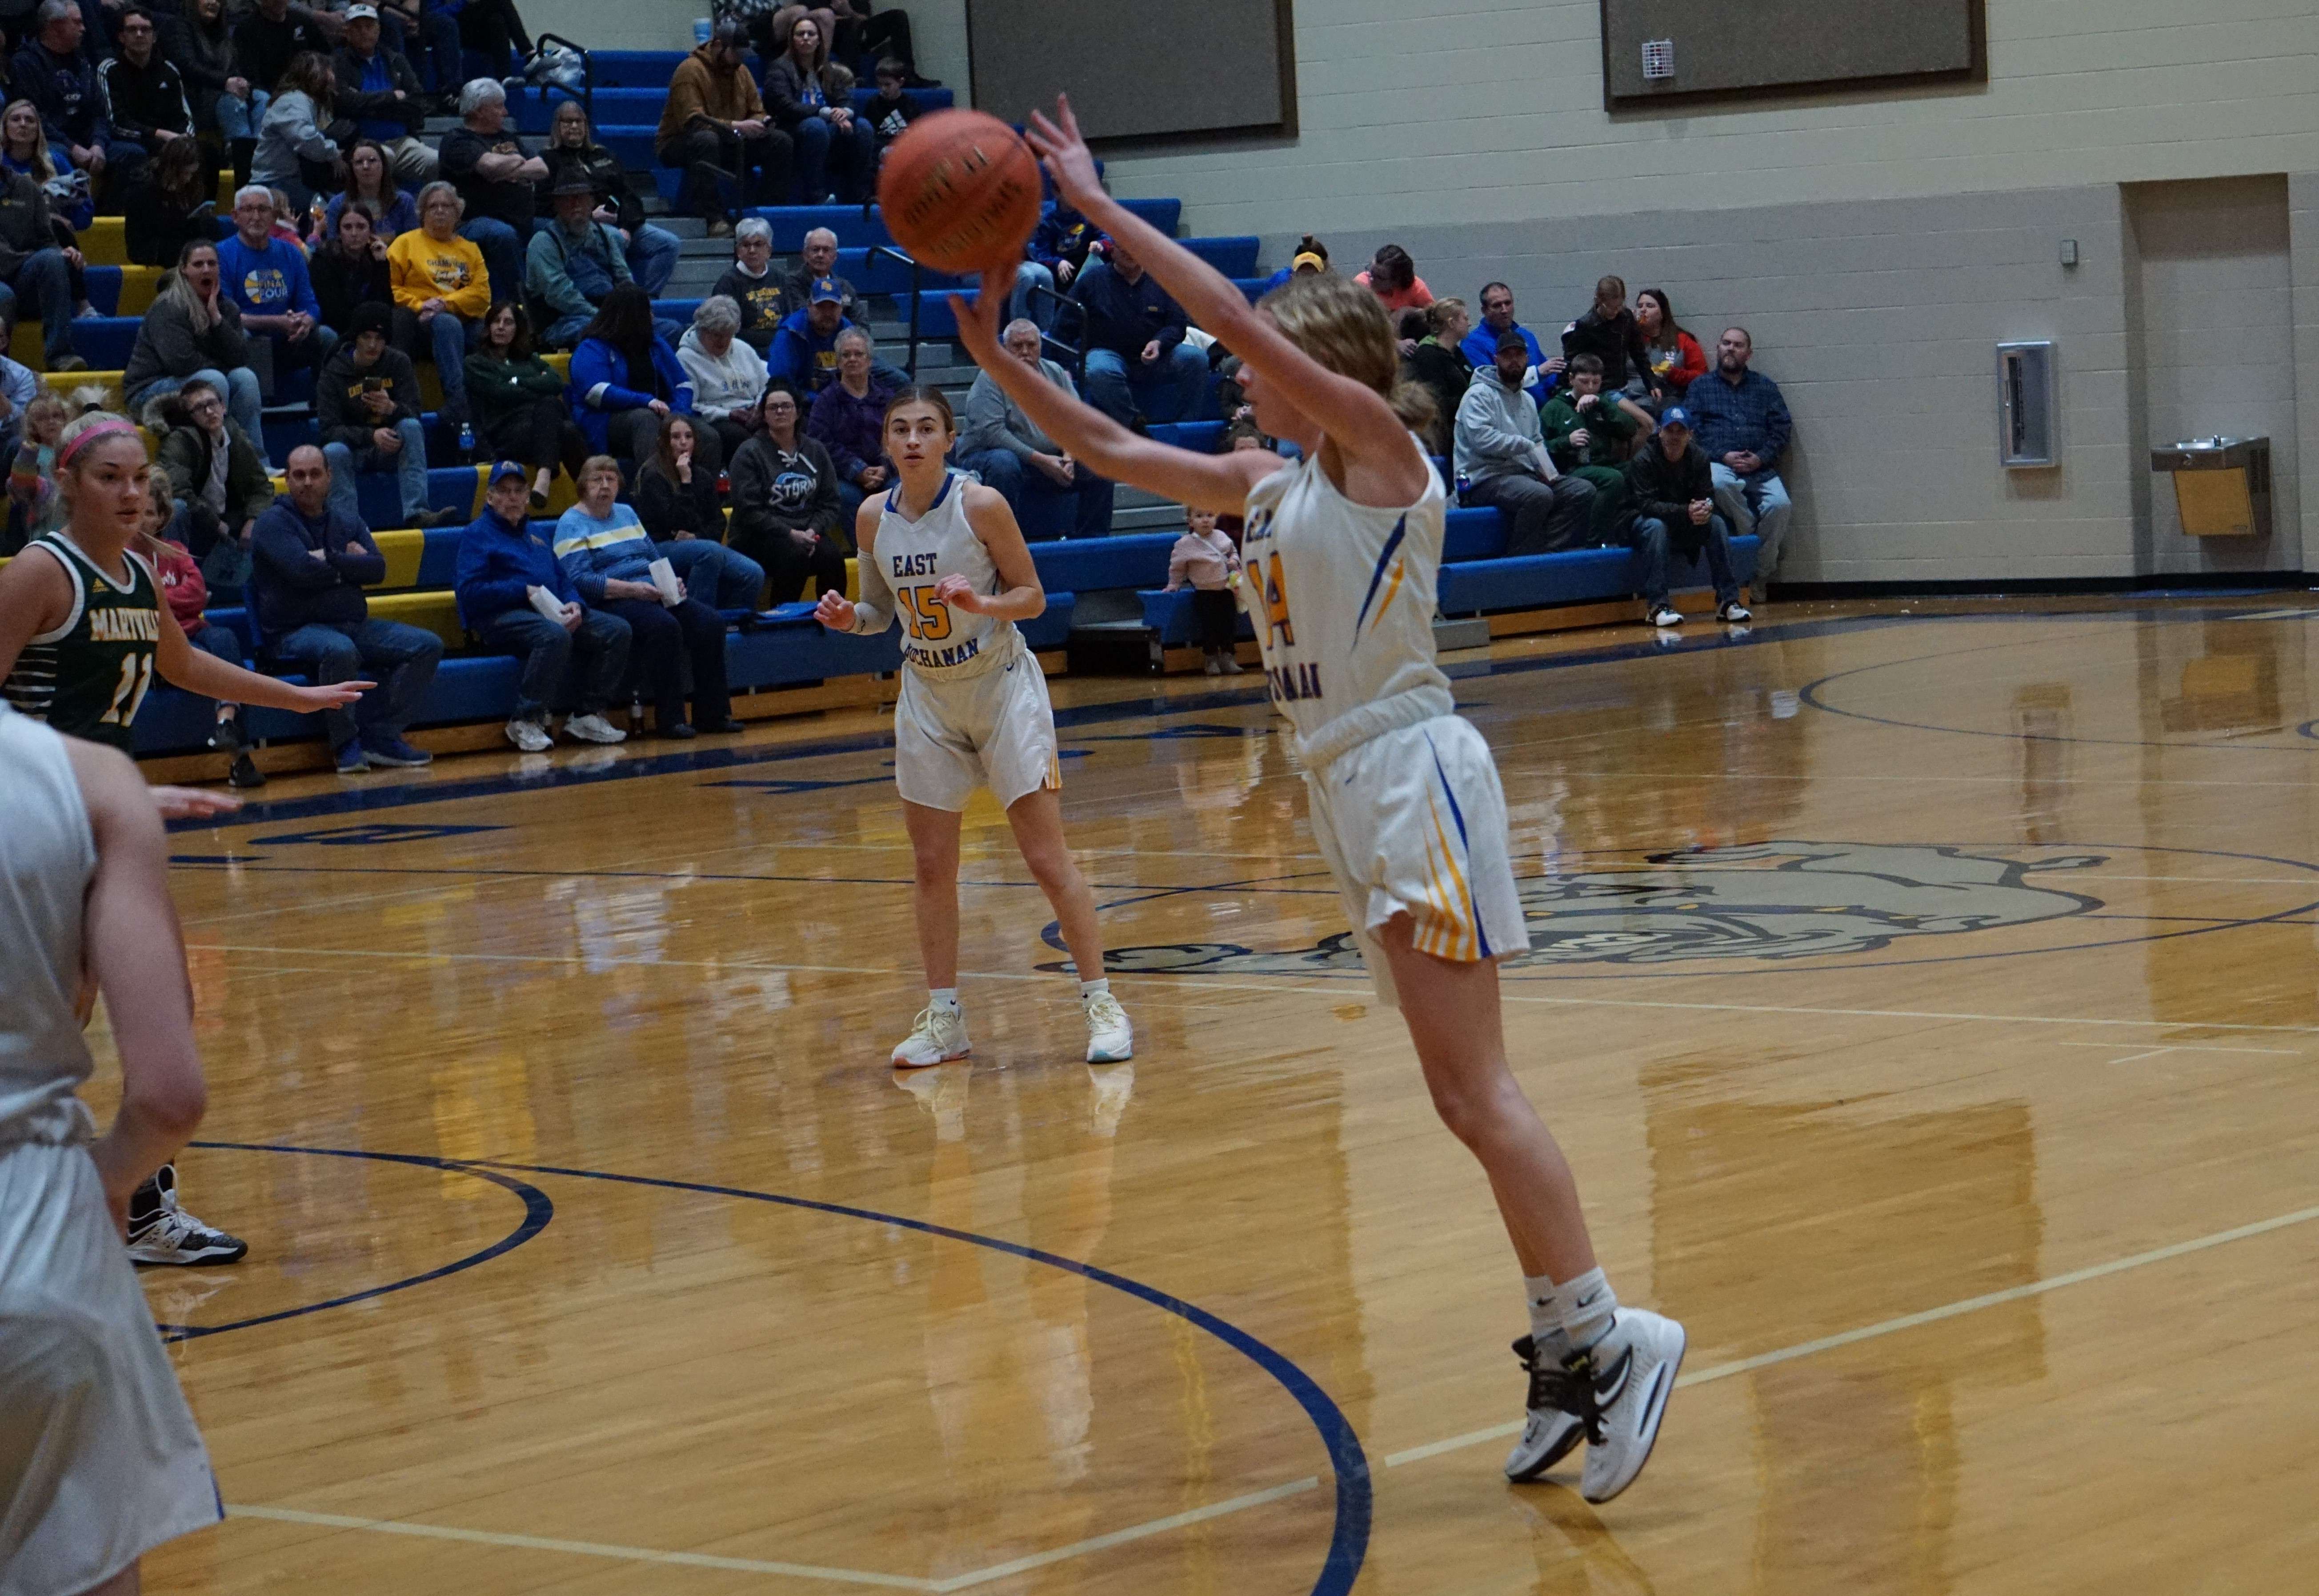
<point>939,1037</point>
<point>1553,1428</point>
<point>1621,1386</point>
<point>1111,1040</point>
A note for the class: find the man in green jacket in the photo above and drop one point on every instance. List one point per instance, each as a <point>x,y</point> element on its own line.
<point>1590,438</point>
<point>215,471</point>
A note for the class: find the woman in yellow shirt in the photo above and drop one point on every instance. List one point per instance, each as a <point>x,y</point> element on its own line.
<point>441,290</point>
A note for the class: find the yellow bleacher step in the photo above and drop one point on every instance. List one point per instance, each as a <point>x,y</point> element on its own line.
<point>436,612</point>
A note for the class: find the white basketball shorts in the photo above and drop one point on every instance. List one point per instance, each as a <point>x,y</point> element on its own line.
<point>99,1458</point>
<point>1413,821</point>
<point>996,729</point>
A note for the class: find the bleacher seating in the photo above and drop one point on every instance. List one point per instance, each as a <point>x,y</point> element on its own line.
<point>783,645</point>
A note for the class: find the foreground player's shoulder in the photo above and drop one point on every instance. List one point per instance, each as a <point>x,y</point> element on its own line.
<point>984,505</point>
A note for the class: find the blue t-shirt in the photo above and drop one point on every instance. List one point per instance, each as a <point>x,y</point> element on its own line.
<point>377,80</point>
<point>270,281</point>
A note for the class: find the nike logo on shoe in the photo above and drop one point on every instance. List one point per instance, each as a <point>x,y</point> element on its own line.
<point>1608,1383</point>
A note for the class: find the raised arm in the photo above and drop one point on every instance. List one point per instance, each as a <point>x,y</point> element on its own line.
<point>1353,414</point>
<point>184,665</point>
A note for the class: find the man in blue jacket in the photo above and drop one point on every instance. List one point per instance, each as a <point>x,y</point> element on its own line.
<point>1481,345</point>
<point>1136,348</point>
<point>308,566</point>
<point>804,350</point>
<point>509,582</point>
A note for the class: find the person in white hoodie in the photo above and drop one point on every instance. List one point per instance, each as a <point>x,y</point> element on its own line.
<point>1502,458</point>
<point>727,375</point>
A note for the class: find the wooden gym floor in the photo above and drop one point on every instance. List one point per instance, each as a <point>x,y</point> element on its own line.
<point>1925,993</point>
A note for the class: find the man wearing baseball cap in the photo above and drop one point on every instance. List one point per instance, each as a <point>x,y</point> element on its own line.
<point>1672,493</point>
<point>572,263</point>
<point>379,90</point>
<point>804,352</point>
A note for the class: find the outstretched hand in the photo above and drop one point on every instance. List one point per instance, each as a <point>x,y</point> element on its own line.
<point>1069,162</point>
<point>331,695</point>
<point>193,803</point>
<point>835,611</point>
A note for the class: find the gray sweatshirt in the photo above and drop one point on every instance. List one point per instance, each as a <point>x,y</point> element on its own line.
<point>994,421</point>
<point>1498,432</point>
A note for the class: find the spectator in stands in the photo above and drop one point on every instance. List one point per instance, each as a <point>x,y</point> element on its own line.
<point>835,153</point>
<point>862,32</point>
<point>1136,348</point>
<point>816,261</point>
<point>34,272</point>
<point>727,375</point>
<point>194,330</point>
<point>34,506</point>
<point>19,386</point>
<point>1060,246</point>
<point>580,654</point>
<point>266,37</point>
<point>608,558</point>
<point>211,464</point>
<point>371,189</point>
<point>572,153</point>
<point>495,178</point>
<point>1502,455</point>
<point>848,419</point>
<point>625,377</point>
<point>1439,366</point>
<point>677,501</point>
<point>1481,345</point>
<point>751,282</point>
<point>892,109</point>
<point>225,104</point>
<point>441,290</point>
<point>1743,428</point>
<point>1591,437</point>
<point>59,78</point>
<point>1674,498</point>
<point>348,272</point>
<point>574,261</point>
<point>314,557</point>
<point>494,29</point>
<point>1608,332</point>
<point>787,514</point>
<point>1392,276</point>
<point>1047,489</point>
<point>295,151</point>
<point>428,35</point>
<point>377,88</point>
<point>519,402</point>
<point>1206,558</point>
<point>187,594</point>
<point>24,151</point>
<point>267,279</point>
<point>1676,359</point>
<point>176,205</point>
<point>368,406</point>
<point>1310,256</point>
<point>713,120</point>
<point>805,351</point>
<point>144,95</point>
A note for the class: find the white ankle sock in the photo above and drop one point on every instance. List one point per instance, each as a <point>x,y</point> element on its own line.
<point>944,1000</point>
<point>1586,1306</point>
<point>1089,989</point>
<point>1545,1318</point>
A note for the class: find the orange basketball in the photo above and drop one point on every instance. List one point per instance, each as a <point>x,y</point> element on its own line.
<point>960,190</point>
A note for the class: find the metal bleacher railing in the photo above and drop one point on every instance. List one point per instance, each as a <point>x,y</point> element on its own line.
<point>586,93</point>
<point>910,364</point>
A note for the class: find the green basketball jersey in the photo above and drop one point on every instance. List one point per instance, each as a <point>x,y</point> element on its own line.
<point>89,676</point>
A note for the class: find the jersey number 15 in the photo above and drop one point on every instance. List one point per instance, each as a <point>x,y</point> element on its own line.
<point>926,617</point>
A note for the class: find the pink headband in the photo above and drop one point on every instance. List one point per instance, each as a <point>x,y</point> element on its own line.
<point>102,429</point>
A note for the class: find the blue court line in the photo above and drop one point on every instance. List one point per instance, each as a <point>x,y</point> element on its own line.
<point>1348,1543</point>
<point>537,1210</point>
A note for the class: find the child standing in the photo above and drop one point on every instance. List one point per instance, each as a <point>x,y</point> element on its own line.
<point>1204,557</point>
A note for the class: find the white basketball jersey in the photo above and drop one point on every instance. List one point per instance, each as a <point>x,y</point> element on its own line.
<point>1340,596</point>
<point>915,555</point>
<point>47,859</point>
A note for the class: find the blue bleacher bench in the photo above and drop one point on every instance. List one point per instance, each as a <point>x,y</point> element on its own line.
<point>1532,582</point>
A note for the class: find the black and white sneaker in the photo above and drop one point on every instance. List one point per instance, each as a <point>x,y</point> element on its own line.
<point>1619,1388</point>
<point>161,1232</point>
<point>1665,615</point>
<point>1734,613</point>
<point>1553,1428</point>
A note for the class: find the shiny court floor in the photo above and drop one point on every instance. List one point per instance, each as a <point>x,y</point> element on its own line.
<point>1925,993</point>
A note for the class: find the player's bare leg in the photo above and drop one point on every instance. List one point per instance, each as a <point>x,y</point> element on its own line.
<point>1037,818</point>
<point>940,1033</point>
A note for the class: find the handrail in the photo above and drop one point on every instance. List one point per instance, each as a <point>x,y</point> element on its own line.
<point>1047,337</point>
<point>911,366</point>
<point>587,94</point>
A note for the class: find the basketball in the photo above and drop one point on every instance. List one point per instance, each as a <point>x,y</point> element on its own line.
<point>959,189</point>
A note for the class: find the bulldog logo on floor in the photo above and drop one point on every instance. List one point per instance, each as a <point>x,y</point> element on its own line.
<point>1761,900</point>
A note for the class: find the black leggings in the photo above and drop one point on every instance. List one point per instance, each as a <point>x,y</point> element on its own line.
<point>540,434</point>
<point>664,640</point>
<point>493,28</point>
<point>885,33</point>
<point>787,567</point>
<point>1218,613</point>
